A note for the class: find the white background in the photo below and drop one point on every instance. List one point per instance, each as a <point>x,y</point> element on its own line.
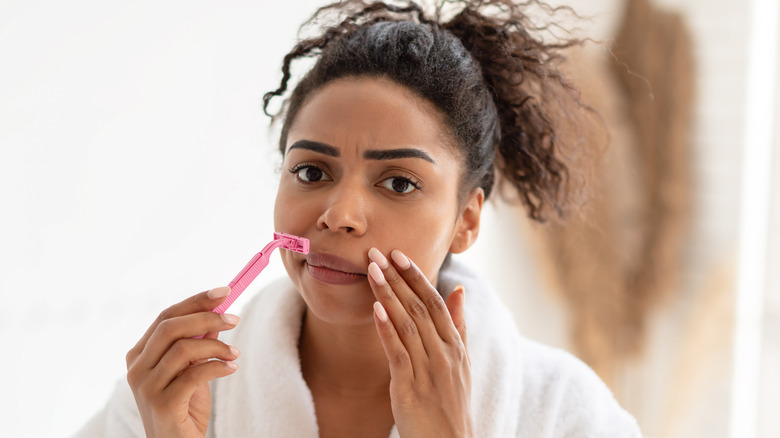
<point>137,168</point>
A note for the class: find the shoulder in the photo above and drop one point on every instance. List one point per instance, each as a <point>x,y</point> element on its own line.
<point>556,393</point>
<point>567,396</point>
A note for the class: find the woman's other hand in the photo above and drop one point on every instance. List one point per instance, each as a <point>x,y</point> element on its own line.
<point>169,369</point>
<point>424,339</point>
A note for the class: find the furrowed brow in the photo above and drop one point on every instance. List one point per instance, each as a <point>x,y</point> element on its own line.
<point>315,146</point>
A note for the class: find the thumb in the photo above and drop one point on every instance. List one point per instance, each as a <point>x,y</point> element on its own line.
<point>456,303</point>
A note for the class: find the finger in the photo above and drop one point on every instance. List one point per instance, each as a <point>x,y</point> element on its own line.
<point>427,294</point>
<point>209,335</point>
<point>182,387</point>
<point>408,297</point>
<point>182,327</point>
<point>185,353</point>
<point>402,322</point>
<point>412,295</point>
<point>456,304</point>
<point>196,303</point>
<point>395,351</point>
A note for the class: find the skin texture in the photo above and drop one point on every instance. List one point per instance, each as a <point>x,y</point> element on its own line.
<point>346,204</point>
<point>381,349</point>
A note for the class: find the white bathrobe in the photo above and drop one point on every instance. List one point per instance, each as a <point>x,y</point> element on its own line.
<point>519,388</point>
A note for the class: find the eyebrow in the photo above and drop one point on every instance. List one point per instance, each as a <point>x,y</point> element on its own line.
<point>315,146</point>
<point>373,154</point>
<point>393,154</point>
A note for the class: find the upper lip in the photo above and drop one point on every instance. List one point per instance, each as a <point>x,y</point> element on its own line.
<point>333,262</point>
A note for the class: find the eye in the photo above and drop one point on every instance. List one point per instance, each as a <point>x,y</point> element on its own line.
<point>400,185</point>
<point>309,173</point>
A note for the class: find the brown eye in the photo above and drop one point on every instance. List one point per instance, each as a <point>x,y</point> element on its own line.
<point>399,185</point>
<point>310,174</point>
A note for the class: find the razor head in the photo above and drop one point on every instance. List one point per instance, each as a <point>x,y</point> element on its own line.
<point>293,243</point>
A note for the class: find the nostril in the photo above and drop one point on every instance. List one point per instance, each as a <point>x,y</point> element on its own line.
<point>341,219</point>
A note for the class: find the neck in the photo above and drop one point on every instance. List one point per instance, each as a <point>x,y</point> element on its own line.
<point>345,360</point>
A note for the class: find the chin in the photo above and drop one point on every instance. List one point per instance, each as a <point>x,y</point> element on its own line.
<point>347,305</point>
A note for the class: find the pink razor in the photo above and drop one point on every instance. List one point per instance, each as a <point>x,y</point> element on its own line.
<point>258,263</point>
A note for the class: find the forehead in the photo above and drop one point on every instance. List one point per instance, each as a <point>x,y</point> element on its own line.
<point>355,114</point>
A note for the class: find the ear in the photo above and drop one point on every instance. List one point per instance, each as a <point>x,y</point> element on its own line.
<point>467,225</point>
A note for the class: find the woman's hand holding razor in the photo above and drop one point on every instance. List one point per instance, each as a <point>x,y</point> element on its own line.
<point>169,369</point>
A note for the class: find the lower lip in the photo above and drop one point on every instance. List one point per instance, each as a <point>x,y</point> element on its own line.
<point>331,276</point>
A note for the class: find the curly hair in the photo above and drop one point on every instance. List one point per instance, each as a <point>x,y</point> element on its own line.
<point>499,88</point>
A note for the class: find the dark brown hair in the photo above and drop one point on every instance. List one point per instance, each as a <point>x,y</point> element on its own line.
<point>498,87</point>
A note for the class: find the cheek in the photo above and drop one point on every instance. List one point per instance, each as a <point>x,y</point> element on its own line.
<point>424,236</point>
<point>292,215</point>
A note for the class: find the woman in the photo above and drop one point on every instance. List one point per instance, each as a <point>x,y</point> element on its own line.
<point>390,144</point>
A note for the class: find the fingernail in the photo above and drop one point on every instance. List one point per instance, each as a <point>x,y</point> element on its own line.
<point>459,288</point>
<point>232,365</point>
<point>218,292</point>
<point>400,259</point>
<point>234,351</point>
<point>379,309</point>
<point>230,319</point>
<point>376,274</point>
<point>378,258</point>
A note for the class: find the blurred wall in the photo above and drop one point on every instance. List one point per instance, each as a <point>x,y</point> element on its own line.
<point>681,386</point>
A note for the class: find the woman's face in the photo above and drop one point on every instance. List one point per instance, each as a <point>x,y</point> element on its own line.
<point>368,164</point>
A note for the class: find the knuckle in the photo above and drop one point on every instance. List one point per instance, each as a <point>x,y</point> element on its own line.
<point>401,358</point>
<point>132,377</point>
<point>417,309</point>
<point>456,353</point>
<point>408,328</point>
<point>166,314</point>
<point>165,328</point>
<point>130,357</point>
<point>177,350</point>
<point>460,354</point>
<point>436,302</point>
<point>455,342</point>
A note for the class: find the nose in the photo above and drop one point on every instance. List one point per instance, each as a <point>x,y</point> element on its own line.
<point>345,212</point>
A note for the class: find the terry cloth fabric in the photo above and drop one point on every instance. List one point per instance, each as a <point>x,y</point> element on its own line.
<point>520,388</point>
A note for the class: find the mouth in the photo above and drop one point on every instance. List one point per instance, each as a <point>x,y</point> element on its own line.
<point>333,270</point>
